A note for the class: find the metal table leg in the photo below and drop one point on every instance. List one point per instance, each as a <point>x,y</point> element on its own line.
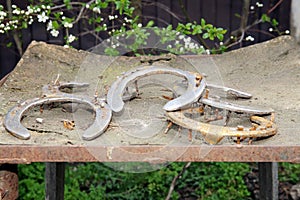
<point>55,178</point>
<point>268,180</point>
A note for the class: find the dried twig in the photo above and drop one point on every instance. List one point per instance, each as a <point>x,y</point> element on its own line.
<point>172,186</point>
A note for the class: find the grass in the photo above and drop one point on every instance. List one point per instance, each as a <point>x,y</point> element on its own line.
<point>97,181</point>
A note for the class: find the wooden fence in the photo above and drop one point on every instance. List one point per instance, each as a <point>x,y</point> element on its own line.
<point>221,13</point>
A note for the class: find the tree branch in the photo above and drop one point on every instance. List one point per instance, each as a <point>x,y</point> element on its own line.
<point>17,40</point>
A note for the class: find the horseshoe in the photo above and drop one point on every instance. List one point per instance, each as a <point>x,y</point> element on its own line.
<point>195,88</point>
<point>12,121</point>
<point>214,133</point>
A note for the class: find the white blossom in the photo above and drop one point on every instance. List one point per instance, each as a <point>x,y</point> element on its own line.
<point>271,29</point>
<point>16,12</point>
<point>251,7</point>
<point>97,10</point>
<point>66,46</point>
<point>49,25</point>
<point>287,32</point>
<point>87,5</point>
<point>110,17</point>
<point>29,10</point>
<point>260,5</point>
<point>180,37</point>
<point>71,38</point>
<point>30,21</point>
<point>207,51</point>
<point>2,13</point>
<point>249,38</point>
<point>43,17</point>
<point>181,49</point>
<point>54,32</point>
<point>68,25</point>
<point>140,25</point>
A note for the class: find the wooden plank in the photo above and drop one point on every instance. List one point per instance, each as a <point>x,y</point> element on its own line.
<point>175,7</point>
<point>193,8</point>
<point>8,58</point>
<point>149,12</point>
<point>209,11</point>
<point>54,178</point>
<point>235,9</point>
<point>284,18</point>
<point>223,15</point>
<point>38,32</point>
<point>163,13</point>
<point>268,180</point>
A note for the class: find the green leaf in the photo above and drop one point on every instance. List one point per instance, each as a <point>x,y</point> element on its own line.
<point>55,24</point>
<point>111,51</point>
<point>169,27</point>
<point>203,22</point>
<point>265,18</point>
<point>205,36</point>
<point>220,36</point>
<point>197,30</point>
<point>10,44</point>
<point>274,22</point>
<point>150,23</point>
<point>237,15</point>
<point>98,29</point>
<point>24,24</point>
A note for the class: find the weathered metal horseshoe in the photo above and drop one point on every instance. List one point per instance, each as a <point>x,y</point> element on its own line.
<point>230,91</point>
<point>196,86</point>
<point>103,114</point>
<point>214,133</point>
<point>217,103</point>
<point>235,107</point>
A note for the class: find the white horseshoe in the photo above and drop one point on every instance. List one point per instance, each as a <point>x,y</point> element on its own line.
<point>195,89</point>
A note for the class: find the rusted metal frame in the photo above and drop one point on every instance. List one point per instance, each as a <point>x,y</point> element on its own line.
<point>79,153</point>
<point>55,180</point>
<point>268,180</point>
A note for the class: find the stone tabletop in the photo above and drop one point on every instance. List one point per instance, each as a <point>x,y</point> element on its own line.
<point>270,71</point>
